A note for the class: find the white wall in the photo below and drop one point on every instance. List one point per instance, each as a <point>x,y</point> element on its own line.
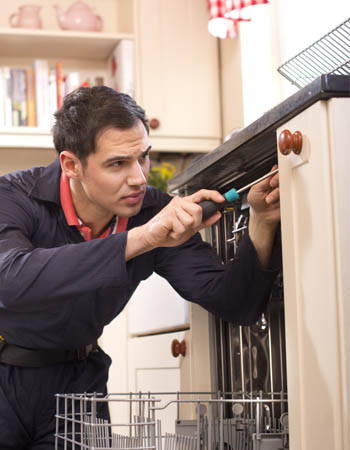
<point>277,32</point>
<point>302,22</point>
<point>260,80</point>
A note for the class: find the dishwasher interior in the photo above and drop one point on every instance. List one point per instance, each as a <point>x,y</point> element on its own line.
<point>248,408</point>
<point>250,361</point>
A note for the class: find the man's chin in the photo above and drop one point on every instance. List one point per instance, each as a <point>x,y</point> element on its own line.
<point>129,211</point>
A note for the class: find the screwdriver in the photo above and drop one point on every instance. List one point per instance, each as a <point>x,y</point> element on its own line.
<point>209,207</point>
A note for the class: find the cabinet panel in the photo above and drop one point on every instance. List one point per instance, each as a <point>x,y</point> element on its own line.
<point>314,297</point>
<point>159,379</point>
<point>156,306</point>
<point>339,138</point>
<point>152,368</point>
<point>178,70</point>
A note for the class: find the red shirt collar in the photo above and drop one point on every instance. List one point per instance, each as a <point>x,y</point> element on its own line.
<point>117,224</point>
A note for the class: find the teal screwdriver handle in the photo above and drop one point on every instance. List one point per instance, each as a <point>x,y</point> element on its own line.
<point>209,207</point>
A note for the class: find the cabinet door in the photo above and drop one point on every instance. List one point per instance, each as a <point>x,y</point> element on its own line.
<point>178,73</point>
<point>315,217</point>
<point>153,368</point>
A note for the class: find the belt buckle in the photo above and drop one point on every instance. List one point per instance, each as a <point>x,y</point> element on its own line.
<point>81,353</point>
<point>2,343</point>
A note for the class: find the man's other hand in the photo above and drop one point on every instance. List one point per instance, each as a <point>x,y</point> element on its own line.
<point>264,200</point>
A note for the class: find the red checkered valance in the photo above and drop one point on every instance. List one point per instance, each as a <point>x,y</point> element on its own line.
<point>225,14</point>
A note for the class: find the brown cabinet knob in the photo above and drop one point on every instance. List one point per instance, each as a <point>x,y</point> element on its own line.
<point>288,142</point>
<point>178,348</point>
<point>154,124</point>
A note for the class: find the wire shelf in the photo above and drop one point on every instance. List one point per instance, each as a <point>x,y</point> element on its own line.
<point>328,55</point>
<point>252,422</point>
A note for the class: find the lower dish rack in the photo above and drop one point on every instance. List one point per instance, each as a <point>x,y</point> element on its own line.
<point>229,421</point>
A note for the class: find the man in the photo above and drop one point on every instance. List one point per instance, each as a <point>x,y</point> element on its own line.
<point>78,236</point>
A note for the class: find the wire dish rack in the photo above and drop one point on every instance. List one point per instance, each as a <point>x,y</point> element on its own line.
<point>328,55</point>
<point>230,422</point>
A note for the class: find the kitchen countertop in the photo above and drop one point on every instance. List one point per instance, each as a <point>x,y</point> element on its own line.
<point>251,152</point>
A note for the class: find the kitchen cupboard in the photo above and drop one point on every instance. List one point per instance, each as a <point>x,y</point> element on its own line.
<point>152,368</point>
<point>83,52</point>
<point>315,217</point>
<point>176,65</point>
<point>146,362</point>
<point>177,74</point>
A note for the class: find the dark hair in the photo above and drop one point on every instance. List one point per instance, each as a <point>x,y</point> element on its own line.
<point>88,111</point>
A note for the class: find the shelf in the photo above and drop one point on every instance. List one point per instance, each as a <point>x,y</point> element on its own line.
<point>34,137</point>
<point>58,44</point>
<point>26,137</point>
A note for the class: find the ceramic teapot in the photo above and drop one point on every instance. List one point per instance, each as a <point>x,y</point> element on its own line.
<point>78,17</point>
<point>27,17</point>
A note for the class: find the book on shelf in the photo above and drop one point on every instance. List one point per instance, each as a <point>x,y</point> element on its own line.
<point>6,78</point>
<point>18,97</point>
<point>52,96</point>
<point>59,83</point>
<point>31,96</point>
<point>31,102</point>
<point>72,82</point>
<point>41,70</point>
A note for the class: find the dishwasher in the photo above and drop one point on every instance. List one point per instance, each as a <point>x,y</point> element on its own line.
<point>249,409</point>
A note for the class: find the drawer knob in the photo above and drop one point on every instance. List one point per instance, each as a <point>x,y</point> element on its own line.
<point>288,142</point>
<point>154,123</point>
<point>178,348</point>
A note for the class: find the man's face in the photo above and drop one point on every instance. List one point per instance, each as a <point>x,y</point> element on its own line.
<point>115,176</point>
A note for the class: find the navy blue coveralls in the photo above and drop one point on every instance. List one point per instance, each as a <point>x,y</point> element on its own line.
<point>58,291</point>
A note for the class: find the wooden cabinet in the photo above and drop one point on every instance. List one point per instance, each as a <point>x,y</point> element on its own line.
<point>177,74</point>
<point>176,65</point>
<point>146,363</point>
<point>153,368</point>
<point>84,52</point>
<point>315,217</point>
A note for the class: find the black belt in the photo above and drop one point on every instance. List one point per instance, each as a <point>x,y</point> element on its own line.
<point>25,357</point>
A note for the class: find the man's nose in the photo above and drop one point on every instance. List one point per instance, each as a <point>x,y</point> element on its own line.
<point>136,175</point>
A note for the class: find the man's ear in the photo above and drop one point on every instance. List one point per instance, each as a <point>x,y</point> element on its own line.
<point>70,164</point>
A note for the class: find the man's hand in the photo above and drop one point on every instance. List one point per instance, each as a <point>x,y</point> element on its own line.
<point>173,225</point>
<point>264,216</point>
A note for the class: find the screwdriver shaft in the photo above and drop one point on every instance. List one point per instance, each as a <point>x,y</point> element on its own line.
<point>244,188</point>
<point>209,207</point>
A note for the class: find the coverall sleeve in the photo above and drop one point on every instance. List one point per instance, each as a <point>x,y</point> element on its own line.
<point>237,292</point>
<point>32,278</point>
